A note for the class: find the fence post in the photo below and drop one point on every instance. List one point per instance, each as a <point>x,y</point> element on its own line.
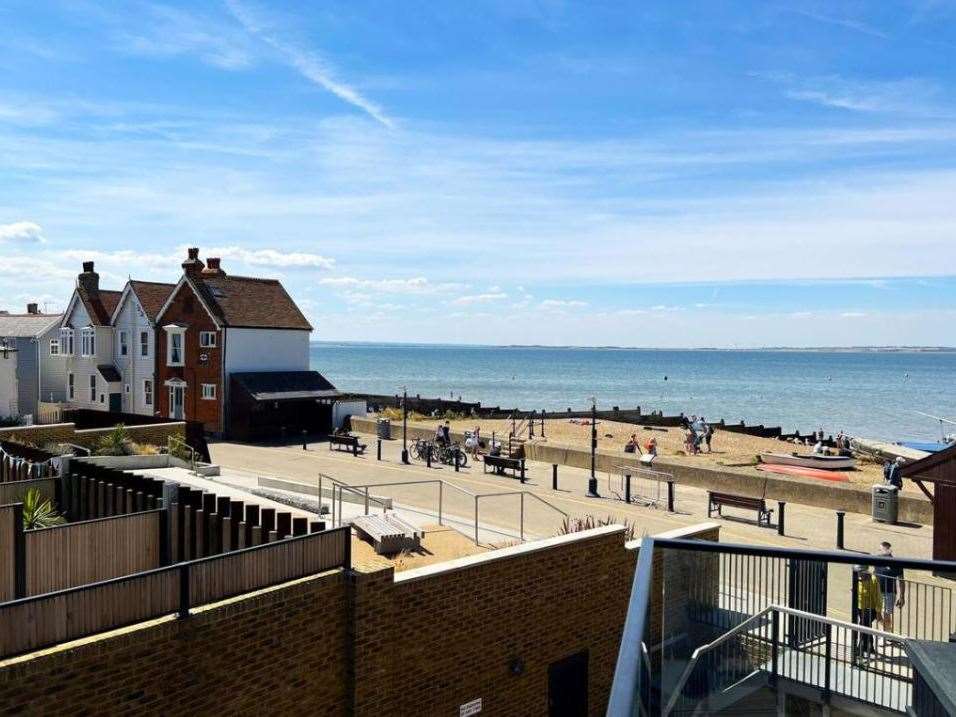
<point>379,450</point>
<point>366,500</point>
<point>554,476</point>
<point>19,553</point>
<point>826,663</point>
<point>839,535</point>
<point>670,496</point>
<point>441,486</point>
<point>854,613</point>
<point>774,651</point>
<point>627,488</point>
<point>184,591</point>
<point>522,470</point>
<point>476,520</point>
<point>781,507</point>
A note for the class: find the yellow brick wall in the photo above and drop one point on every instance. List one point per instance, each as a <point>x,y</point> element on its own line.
<point>67,433</point>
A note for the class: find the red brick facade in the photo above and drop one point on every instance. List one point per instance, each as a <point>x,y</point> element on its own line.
<point>202,365</point>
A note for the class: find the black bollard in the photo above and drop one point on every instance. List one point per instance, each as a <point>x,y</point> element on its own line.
<point>781,507</point>
<point>457,459</point>
<point>670,496</point>
<point>428,457</point>
<point>627,488</point>
<point>554,476</point>
<point>840,515</point>
<point>305,442</point>
<point>379,449</point>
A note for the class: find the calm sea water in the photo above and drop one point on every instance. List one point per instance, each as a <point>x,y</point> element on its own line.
<point>868,394</point>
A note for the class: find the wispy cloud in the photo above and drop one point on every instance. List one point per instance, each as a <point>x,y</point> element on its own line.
<point>273,258</point>
<point>22,232</point>
<point>479,298</point>
<point>307,63</point>
<point>844,22</point>
<point>416,285</point>
<point>562,304</point>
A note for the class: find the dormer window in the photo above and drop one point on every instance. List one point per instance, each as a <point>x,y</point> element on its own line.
<point>175,345</point>
<point>88,341</point>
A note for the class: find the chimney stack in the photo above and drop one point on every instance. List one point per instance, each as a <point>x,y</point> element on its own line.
<point>192,265</point>
<point>32,309</point>
<point>212,267</point>
<point>89,279</point>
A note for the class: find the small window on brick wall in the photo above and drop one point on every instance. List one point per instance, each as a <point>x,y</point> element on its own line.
<point>209,391</point>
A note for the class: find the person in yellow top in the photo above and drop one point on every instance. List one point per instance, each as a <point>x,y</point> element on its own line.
<point>869,603</point>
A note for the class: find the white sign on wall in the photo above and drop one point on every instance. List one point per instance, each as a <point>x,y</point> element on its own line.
<point>470,708</point>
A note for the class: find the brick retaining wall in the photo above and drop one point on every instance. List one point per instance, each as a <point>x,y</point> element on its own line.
<point>155,434</point>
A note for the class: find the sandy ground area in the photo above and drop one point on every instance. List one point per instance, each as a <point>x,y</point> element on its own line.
<point>728,449</point>
<point>439,545</point>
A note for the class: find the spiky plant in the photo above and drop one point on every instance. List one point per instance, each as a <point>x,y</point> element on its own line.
<point>114,443</point>
<point>39,512</point>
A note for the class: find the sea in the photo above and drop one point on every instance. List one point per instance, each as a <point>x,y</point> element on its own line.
<point>867,393</point>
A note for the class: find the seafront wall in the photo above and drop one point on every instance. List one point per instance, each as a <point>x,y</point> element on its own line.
<point>369,641</point>
<point>739,481</point>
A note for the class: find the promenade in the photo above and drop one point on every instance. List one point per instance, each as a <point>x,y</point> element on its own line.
<point>806,526</point>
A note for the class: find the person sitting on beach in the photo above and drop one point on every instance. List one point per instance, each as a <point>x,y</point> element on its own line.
<point>631,446</point>
<point>651,446</point>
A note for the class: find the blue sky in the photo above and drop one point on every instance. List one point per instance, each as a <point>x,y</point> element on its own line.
<point>653,173</point>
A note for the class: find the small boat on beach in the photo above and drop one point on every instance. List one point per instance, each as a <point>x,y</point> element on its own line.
<point>804,472</point>
<point>812,460</point>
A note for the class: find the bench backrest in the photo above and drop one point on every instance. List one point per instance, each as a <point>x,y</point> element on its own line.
<point>741,500</point>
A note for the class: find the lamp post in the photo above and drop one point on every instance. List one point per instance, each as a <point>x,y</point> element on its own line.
<point>592,481</point>
<point>405,425</point>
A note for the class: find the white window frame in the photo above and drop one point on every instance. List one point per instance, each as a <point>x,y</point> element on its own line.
<point>171,332</point>
<point>92,388</point>
<point>147,392</point>
<point>207,339</point>
<point>209,392</point>
<point>144,344</point>
<point>70,386</point>
<point>124,343</point>
<point>66,342</point>
<point>54,347</point>
<point>88,342</point>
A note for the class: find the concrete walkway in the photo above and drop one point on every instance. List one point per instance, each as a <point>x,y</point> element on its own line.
<point>806,526</point>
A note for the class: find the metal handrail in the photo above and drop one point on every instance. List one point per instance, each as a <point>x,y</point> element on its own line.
<point>703,649</point>
<point>522,493</point>
<point>192,451</point>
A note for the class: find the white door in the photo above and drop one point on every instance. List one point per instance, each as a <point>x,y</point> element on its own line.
<point>177,399</point>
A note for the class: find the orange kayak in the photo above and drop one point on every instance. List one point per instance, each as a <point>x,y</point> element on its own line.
<point>801,471</point>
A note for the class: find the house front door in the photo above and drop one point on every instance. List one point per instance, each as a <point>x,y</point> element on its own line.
<point>177,401</point>
<point>116,402</point>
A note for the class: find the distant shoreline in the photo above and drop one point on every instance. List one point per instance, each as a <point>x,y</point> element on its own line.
<point>763,349</point>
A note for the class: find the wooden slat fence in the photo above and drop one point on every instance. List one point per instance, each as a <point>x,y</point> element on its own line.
<point>40,621</point>
<point>32,623</point>
<point>250,569</point>
<point>8,561</point>
<point>14,492</point>
<point>66,556</point>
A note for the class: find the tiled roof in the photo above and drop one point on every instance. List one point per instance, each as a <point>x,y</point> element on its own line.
<point>99,305</point>
<point>242,301</point>
<point>152,295</point>
<point>26,325</point>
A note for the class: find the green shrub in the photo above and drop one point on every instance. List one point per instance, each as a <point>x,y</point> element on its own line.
<point>114,443</point>
<point>39,512</point>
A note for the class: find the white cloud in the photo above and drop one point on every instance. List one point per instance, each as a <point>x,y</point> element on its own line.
<point>307,63</point>
<point>852,315</point>
<point>480,298</point>
<point>416,285</point>
<point>562,304</point>
<point>22,232</point>
<point>273,258</point>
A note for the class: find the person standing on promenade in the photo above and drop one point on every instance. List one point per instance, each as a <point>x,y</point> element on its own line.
<point>891,583</point>
<point>869,603</point>
<point>446,433</point>
<point>439,435</point>
<point>708,435</point>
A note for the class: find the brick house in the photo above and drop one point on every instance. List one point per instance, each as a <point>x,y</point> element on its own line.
<point>214,326</point>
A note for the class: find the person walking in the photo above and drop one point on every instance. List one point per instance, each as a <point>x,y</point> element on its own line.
<point>891,473</point>
<point>708,435</point>
<point>446,433</point>
<point>891,582</point>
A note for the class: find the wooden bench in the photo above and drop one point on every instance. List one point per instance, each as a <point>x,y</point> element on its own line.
<point>718,500</point>
<point>389,534</point>
<point>502,464</point>
<point>349,443</point>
